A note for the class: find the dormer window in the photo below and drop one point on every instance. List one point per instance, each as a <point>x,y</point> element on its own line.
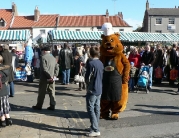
<point>2,23</point>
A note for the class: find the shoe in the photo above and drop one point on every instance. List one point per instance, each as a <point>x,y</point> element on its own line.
<point>3,123</point>
<point>37,108</point>
<point>8,122</point>
<point>80,89</point>
<point>63,84</point>
<point>11,95</point>
<point>67,84</point>
<point>89,129</point>
<point>51,108</point>
<point>93,134</point>
<point>150,88</point>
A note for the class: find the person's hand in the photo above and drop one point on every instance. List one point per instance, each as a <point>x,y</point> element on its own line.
<point>50,80</point>
<point>143,64</point>
<point>149,65</point>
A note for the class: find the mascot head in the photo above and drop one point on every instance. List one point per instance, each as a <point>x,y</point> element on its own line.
<point>111,45</point>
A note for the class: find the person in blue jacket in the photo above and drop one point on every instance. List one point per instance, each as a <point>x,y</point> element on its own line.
<point>28,53</point>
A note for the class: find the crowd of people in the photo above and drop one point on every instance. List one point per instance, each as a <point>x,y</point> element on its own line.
<point>161,60</point>
<point>65,61</point>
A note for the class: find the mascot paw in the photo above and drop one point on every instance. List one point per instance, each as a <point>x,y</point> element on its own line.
<point>115,116</point>
<point>104,116</point>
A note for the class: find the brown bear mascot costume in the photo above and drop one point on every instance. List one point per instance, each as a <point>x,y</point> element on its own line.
<point>116,74</point>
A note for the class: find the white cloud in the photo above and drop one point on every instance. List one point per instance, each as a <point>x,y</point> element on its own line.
<point>133,22</point>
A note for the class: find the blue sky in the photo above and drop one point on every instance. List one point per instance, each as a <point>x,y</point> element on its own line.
<point>133,10</point>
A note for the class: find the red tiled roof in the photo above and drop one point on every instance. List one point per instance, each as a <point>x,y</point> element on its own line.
<point>6,14</point>
<point>90,20</point>
<point>28,21</point>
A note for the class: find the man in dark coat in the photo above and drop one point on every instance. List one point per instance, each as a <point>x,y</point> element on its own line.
<point>173,57</point>
<point>173,60</point>
<point>7,60</point>
<point>148,60</point>
<point>66,62</point>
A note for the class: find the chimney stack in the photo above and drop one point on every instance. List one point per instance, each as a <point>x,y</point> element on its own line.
<point>36,14</point>
<point>14,9</point>
<point>120,15</point>
<point>107,14</point>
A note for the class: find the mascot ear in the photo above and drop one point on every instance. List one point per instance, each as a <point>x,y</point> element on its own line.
<point>102,36</point>
<point>117,34</point>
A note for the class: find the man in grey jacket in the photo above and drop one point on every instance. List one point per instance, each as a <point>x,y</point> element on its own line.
<point>48,71</point>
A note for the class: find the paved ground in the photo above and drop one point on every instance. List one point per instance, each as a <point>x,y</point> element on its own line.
<point>153,115</point>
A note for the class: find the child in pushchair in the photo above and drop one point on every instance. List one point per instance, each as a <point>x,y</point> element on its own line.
<point>143,79</point>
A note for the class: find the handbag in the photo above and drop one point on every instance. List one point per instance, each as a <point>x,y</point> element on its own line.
<point>79,78</point>
<point>76,78</point>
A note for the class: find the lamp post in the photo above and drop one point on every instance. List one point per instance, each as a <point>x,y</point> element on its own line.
<point>114,5</point>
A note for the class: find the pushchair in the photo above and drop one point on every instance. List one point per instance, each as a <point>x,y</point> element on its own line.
<point>143,79</point>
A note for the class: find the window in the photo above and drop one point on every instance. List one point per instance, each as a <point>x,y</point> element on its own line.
<point>158,20</point>
<point>77,29</point>
<point>171,21</point>
<point>66,29</point>
<point>2,23</point>
<point>158,31</point>
<point>121,30</point>
<point>42,31</point>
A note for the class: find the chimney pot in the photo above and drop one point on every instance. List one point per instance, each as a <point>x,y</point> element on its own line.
<point>14,9</point>
<point>120,14</point>
<point>107,14</point>
<point>36,14</point>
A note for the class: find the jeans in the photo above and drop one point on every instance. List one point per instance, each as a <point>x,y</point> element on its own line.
<point>11,88</point>
<point>66,76</point>
<point>93,109</point>
<point>131,83</point>
<point>150,76</point>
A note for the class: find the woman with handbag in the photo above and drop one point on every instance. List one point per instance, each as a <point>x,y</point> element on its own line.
<point>5,119</point>
<point>80,68</point>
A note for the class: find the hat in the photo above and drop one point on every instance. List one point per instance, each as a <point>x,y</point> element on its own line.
<point>132,63</point>
<point>107,28</point>
<point>6,46</point>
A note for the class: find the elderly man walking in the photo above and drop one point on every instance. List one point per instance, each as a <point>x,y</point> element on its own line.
<point>48,71</point>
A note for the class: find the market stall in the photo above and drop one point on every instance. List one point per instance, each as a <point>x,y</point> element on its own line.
<point>16,39</point>
<point>95,36</point>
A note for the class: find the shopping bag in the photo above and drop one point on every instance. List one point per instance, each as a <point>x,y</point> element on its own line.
<point>173,74</point>
<point>158,73</point>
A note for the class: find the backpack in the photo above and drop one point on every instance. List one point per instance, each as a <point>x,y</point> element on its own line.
<point>3,78</point>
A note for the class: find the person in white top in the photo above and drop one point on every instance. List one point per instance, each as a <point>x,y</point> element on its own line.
<point>37,55</point>
<point>15,60</point>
